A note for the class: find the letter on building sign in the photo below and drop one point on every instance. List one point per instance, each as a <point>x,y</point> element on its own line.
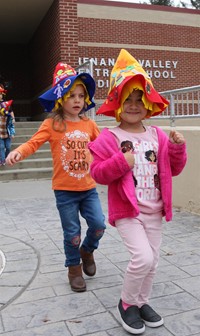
<point>154,68</point>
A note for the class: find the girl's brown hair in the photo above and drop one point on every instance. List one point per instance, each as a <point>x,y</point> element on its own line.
<point>58,119</point>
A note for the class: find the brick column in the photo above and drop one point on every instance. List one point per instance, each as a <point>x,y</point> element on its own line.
<point>68,31</point>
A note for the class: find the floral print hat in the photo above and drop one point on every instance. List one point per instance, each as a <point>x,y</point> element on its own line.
<point>128,75</point>
<point>64,78</point>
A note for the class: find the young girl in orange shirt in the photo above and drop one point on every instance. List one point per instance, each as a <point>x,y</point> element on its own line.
<point>68,131</point>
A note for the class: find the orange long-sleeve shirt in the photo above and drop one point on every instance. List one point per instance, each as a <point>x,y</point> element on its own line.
<point>70,154</point>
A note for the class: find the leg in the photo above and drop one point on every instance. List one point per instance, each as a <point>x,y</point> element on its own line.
<point>134,236</point>
<point>92,212</point>
<point>153,229</point>
<point>142,236</point>
<point>2,151</point>
<point>7,146</point>
<point>68,206</point>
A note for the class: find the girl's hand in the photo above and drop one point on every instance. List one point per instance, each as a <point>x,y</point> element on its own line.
<point>176,138</point>
<point>13,157</point>
<point>130,159</point>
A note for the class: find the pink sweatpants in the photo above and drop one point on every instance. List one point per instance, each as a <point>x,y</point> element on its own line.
<point>142,237</point>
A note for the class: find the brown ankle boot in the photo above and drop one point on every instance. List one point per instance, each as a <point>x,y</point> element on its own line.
<point>89,267</point>
<point>76,280</point>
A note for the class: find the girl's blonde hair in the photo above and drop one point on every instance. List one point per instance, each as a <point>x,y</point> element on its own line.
<point>57,114</point>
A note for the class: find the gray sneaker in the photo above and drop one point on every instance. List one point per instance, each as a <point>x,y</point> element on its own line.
<point>150,317</point>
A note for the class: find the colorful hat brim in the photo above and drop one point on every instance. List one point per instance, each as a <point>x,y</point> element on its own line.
<point>113,102</point>
<point>6,104</point>
<point>4,107</point>
<point>48,98</point>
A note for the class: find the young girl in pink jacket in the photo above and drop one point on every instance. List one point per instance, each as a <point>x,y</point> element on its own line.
<point>137,163</point>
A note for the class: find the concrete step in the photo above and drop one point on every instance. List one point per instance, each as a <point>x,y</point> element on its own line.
<point>27,124</point>
<point>21,138</point>
<point>45,146</point>
<point>29,163</point>
<point>29,173</point>
<point>36,166</point>
<point>25,131</point>
<point>40,154</point>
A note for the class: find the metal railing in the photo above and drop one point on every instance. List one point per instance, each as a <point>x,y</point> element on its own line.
<point>184,103</point>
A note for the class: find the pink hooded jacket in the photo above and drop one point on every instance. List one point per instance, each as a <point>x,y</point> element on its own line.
<point>109,167</point>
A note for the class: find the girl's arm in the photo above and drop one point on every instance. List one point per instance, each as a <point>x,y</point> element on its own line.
<point>175,147</point>
<point>31,146</point>
<point>177,152</point>
<point>13,116</point>
<point>109,163</point>
<point>105,171</point>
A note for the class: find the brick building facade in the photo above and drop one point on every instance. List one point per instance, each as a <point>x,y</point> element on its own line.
<point>165,40</point>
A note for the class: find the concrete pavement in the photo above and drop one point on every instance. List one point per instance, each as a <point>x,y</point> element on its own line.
<point>35,297</point>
